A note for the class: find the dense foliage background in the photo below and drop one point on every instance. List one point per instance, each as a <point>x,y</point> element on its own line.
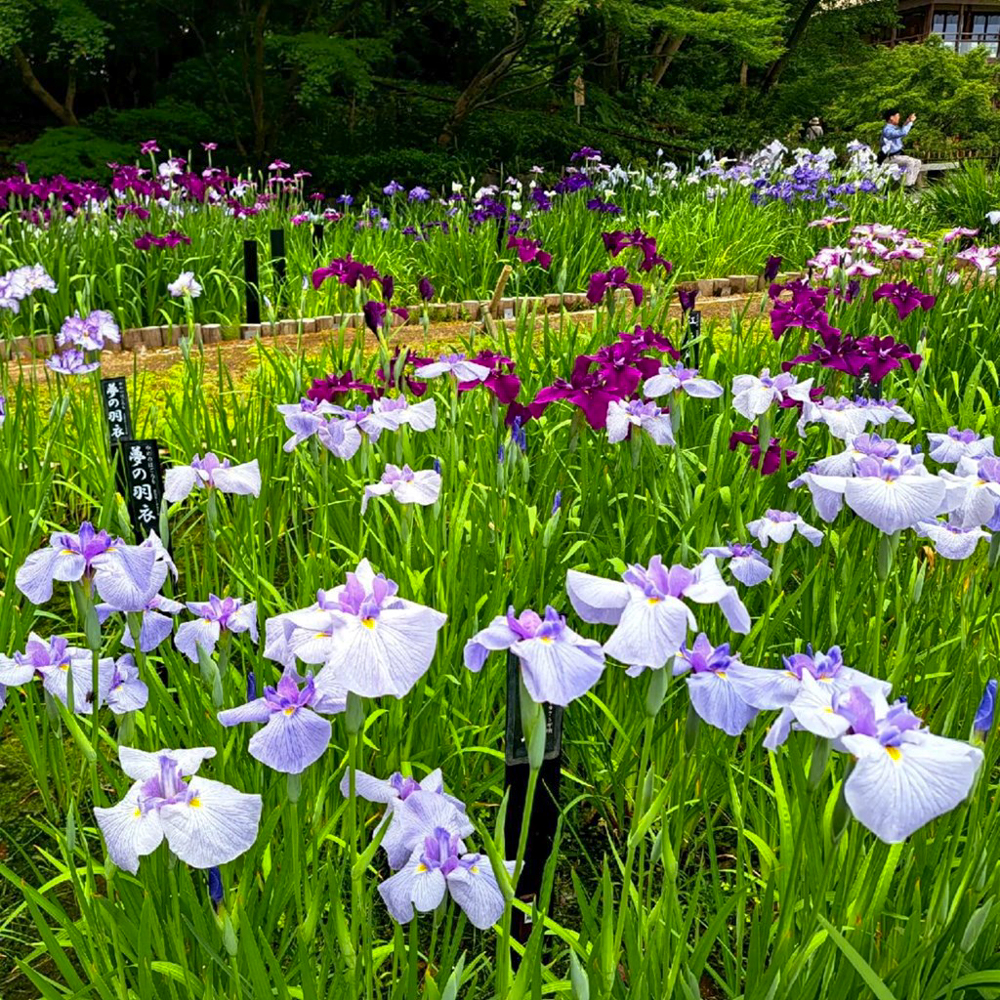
<point>361,90</point>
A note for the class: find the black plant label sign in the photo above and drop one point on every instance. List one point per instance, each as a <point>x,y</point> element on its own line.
<point>114,394</point>
<point>694,335</point>
<point>143,484</point>
<point>516,747</point>
<point>864,386</point>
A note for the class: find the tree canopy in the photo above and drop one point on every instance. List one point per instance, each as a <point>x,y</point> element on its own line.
<point>358,90</point>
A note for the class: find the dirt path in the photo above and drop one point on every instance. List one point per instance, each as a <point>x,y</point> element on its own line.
<point>241,357</point>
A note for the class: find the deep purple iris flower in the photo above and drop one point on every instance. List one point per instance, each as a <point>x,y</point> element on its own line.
<point>585,389</point>
<point>529,250</point>
<point>375,314</point>
<point>397,370</point>
<point>905,297</point>
<point>687,298</point>
<point>771,456</point>
<point>771,268</point>
<point>604,282</point>
<point>333,388</point>
<point>617,241</point>
<point>872,355</point>
<point>347,271</point>
<point>806,309</point>
<point>501,381</point>
<point>647,339</point>
<point>426,289</point>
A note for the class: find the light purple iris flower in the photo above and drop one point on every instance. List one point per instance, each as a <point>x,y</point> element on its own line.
<point>422,487</point>
<point>882,482</point>
<point>677,378</point>
<point>210,473</point>
<point>156,625</point>
<point>126,692</point>
<point>389,414</point>
<point>778,526</point>
<point>753,395</point>
<point>126,576</point>
<point>293,736</point>
<point>955,445</point>
<point>304,419</point>
<point>53,661</point>
<point>905,776</point>
<point>370,641</point>
<point>648,608</point>
<point>557,665</point>
<point>438,865</point>
<point>792,689</point>
<point>454,364</point>
<point>340,437</point>
<point>973,490</point>
<point>847,418</point>
<point>623,415</point>
<point>415,809</point>
<point>710,685</point>
<point>215,615</point>
<point>71,362</point>
<point>205,823</point>
<point>745,562</point>
<point>950,539</point>
<point>90,333</point>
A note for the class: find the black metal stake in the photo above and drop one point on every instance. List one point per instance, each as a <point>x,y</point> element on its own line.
<point>545,808</point>
<point>318,237</point>
<point>278,261</point>
<point>251,275</point>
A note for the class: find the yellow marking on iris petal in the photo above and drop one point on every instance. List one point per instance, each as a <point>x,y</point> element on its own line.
<point>474,869</point>
<point>825,680</point>
<point>67,552</point>
<point>290,711</point>
<point>829,711</point>
<point>652,600</point>
<point>421,869</point>
<point>195,803</point>
<point>545,638</point>
<point>64,667</point>
<point>894,753</point>
<point>137,813</point>
<point>368,622</point>
<point>721,674</point>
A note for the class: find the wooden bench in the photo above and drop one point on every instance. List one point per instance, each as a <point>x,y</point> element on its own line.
<point>939,166</point>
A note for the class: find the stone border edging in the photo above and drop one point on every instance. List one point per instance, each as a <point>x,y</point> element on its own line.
<point>151,337</point>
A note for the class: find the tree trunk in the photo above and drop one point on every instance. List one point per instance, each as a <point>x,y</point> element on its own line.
<point>794,37</point>
<point>665,50</point>
<point>257,98</point>
<point>479,86</point>
<point>64,112</point>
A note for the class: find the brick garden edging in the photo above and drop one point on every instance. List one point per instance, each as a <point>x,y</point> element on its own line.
<point>152,337</point>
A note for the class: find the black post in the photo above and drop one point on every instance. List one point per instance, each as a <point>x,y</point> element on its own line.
<point>251,275</point>
<point>278,261</point>
<point>545,809</point>
<point>692,344</point>
<point>318,237</point>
